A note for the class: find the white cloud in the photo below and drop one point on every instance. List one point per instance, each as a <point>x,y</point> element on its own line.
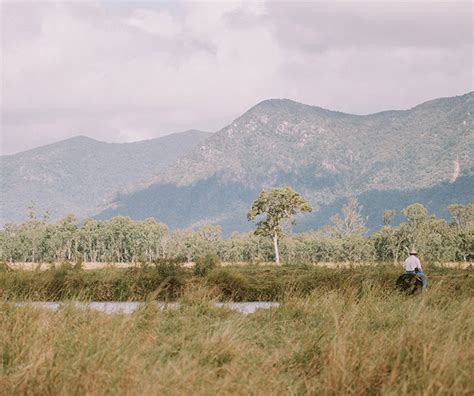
<point>124,71</point>
<point>160,23</point>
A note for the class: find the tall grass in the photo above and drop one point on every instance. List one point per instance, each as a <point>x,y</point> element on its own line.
<point>249,283</point>
<point>352,340</point>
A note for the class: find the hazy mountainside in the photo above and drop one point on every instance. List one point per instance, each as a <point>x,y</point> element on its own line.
<point>80,175</point>
<point>325,155</point>
<point>393,149</point>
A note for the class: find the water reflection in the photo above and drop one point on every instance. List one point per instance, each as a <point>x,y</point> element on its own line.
<point>111,307</point>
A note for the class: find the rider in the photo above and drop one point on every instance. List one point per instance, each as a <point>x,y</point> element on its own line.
<point>413,266</point>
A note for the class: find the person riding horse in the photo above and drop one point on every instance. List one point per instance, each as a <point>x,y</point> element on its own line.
<point>413,280</point>
<point>413,266</point>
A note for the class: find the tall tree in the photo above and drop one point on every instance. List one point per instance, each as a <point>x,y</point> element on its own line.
<point>416,215</point>
<point>463,230</point>
<point>349,221</point>
<point>388,216</point>
<point>277,207</point>
<point>462,214</point>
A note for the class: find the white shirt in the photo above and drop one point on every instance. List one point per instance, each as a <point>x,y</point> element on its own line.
<point>411,263</point>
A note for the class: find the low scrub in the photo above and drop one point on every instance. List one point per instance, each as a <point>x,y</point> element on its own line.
<point>167,281</point>
<point>232,285</point>
<point>205,264</point>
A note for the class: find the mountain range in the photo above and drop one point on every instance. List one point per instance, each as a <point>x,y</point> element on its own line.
<point>388,160</point>
<point>82,175</point>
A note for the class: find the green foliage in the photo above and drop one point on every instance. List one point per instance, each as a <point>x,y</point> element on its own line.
<point>349,222</point>
<point>124,240</point>
<point>79,263</point>
<point>231,283</point>
<point>278,206</point>
<point>171,276</point>
<point>462,214</point>
<point>243,283</point>
<point>388,215</point>
<point>205,264</point>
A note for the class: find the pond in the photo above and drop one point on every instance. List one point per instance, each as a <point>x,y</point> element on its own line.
<point>112,307</point>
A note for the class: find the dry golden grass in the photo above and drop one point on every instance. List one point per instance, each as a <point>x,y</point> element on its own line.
<point>352,341</point>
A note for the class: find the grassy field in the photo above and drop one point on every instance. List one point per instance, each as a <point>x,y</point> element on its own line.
<point>337,332</point>
<point>351,341</point>
<point>240,283</point>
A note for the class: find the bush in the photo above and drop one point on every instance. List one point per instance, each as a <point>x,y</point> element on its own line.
<point>79,263</point>
<point>205,264</point>
<point>65,265</point>
<point>231,284</point>
<point>4,267</point>
<point>168,268</point>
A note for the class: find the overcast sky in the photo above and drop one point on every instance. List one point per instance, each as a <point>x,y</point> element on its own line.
<point>124,71</point>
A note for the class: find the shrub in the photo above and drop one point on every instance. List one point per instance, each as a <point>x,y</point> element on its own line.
<point>4,267</point>
<point>168,268</point>
<point>231,284</point>
<point>65,265</point>
<point>79,263</point>
<point>205,264</point>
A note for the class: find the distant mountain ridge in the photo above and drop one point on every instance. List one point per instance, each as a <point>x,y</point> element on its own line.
<point>81,175</point>
<point>285,136</point>
<point>386,159</point>
<point>326,155</point>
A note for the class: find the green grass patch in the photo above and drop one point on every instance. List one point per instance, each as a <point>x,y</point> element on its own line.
<point>241,283</point>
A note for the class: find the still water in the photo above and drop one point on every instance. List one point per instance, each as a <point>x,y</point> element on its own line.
<point>131,306</point>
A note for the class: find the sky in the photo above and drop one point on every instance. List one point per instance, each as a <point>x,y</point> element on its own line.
<point>121,71</point>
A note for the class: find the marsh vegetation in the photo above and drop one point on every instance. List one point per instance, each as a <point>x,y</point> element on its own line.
<point>350,335</point>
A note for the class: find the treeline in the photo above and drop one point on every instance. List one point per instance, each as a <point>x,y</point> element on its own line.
<point>122,239</point>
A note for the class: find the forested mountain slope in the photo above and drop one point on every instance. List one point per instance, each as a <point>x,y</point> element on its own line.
<point>81,175</point>
<point>326,155</point>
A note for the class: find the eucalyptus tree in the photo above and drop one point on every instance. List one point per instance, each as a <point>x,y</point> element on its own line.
<point>208,239</point>
<point>416,215</point>
<point>154,239</point>
<point>89,235</point>
<point>463,230</point>
<point>31,240</point>
<point>388,242</point>
<point>184,244</point>
<point>275,208</point>
<point>349,221</point>
<point>462,214</point>
<point>9,244</point>
<point>348,229</point>
<point>68,236</point>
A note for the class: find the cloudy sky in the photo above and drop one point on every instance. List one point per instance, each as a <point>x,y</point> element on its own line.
<point>125,71</point>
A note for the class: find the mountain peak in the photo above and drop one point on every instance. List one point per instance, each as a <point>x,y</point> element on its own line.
<point>325,155</point>
<point>279,103</point>
<point>289,106</point>
<point>79,138</point>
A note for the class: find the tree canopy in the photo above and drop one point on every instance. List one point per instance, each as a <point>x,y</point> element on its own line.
<point>122,239</point>
<point>278,206</point>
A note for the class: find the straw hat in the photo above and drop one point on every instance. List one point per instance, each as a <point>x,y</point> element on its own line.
<point>413,252</point>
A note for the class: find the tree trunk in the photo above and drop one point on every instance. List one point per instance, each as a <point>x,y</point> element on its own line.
<point>277,254</point>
